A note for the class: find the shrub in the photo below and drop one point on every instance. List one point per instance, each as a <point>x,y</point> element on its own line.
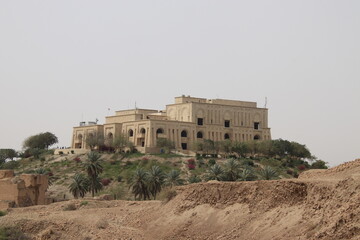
<point>119,178</point>
<point>191,161</point>
<point>211,161</point>
<point>10,165</point>
<point>70,207</point>
<point>301,167</point>
<point>2,213</point>
<point>61,152</point>
<point>248,162</point>
<point>290,172</point>
<point>72,151</point>
<point>12,233</point>
<point>194,179</point>
<point>105,181</point>
<point>191,166</point>
<point>84,203</point>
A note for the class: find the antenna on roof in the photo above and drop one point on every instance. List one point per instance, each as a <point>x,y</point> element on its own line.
<point>135,105</point>
<point>265,102</point>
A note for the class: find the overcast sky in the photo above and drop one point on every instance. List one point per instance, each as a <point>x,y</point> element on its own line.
<point>62,62</point>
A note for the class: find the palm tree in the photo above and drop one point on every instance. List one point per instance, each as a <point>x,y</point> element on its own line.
<point>138,184</point>
<point>173,178</point>
<point>268,173</point>
<point>79,186</point>
<point>156,179</point>
<point>93,168</point>
<point>215,172</point>
<point>246,175</point>
<point>232,170</point>
<point>194,179</point>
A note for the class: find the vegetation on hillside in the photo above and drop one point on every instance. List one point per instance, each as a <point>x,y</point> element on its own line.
<point>128,175</point>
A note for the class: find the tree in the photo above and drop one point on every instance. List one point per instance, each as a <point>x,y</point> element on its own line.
<point>40,141</point>
<point>319,164</point>
<point>155,180</point>
<point>173,178</point>
<point>79,186</point>
<point>93,168</point>
<point>7,153</point>
<point>120,142</point>
<point>231,170</point>
<point>268,173</point>
<point>240,148</point>
<point>138,184</point>
<point>166,144</point>
<point>215,172</point>
<point>95,140</point>
<point>226,146</point>
<point>208,146</point>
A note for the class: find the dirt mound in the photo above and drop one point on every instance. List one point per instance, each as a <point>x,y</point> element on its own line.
<point>320,205</point>
<point>348,169</point>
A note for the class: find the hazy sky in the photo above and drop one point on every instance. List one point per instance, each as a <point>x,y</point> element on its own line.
<point>66,61</point>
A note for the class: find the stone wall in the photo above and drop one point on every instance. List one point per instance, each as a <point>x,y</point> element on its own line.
<point>21,191</point>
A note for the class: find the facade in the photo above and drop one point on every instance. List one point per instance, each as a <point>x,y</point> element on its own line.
<point>184,122</point>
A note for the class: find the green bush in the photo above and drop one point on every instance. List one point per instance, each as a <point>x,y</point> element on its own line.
<point>2,213</point>
<point>211,161</point>
<point>84,203</point>
<point>10,165</point>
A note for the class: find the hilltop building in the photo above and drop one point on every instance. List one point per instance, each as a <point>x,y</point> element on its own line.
<point>184,122</point>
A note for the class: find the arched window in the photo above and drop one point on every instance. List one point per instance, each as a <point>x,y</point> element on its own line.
<point>199,135</point>
<point>131,133</point>
<point>226,136</point>
<point>142,130</point>
<point>80,136</point>
<point>183,133</point>
<point>159,131</point>
<point>110,135</point>
<point>256,137</point>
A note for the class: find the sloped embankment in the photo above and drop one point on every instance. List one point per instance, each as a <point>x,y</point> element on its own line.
<point>319,205</point>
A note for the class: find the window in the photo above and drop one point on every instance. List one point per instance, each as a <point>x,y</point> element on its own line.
<point>226,136</point>
<point>131,133</point>
<point>256,137</point>
<point>184,146</point>
<point>159,131</point>
<point>143,131</point>
<point>199,135</point>
<point>227,123</point>
<point>256,125</point>
<point>183,133</point>
<point>200,121</point>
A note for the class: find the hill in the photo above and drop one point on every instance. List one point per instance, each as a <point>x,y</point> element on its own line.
<point>318,205</point>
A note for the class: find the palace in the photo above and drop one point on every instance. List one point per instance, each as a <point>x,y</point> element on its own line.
<point>184,122</point>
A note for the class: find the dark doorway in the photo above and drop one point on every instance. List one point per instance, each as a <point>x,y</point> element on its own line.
<point>184,146</point>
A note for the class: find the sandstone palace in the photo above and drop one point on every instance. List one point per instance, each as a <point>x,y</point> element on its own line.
<point>184,122</point>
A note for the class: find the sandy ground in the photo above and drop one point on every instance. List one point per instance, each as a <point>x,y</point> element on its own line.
<point>321,204</point>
